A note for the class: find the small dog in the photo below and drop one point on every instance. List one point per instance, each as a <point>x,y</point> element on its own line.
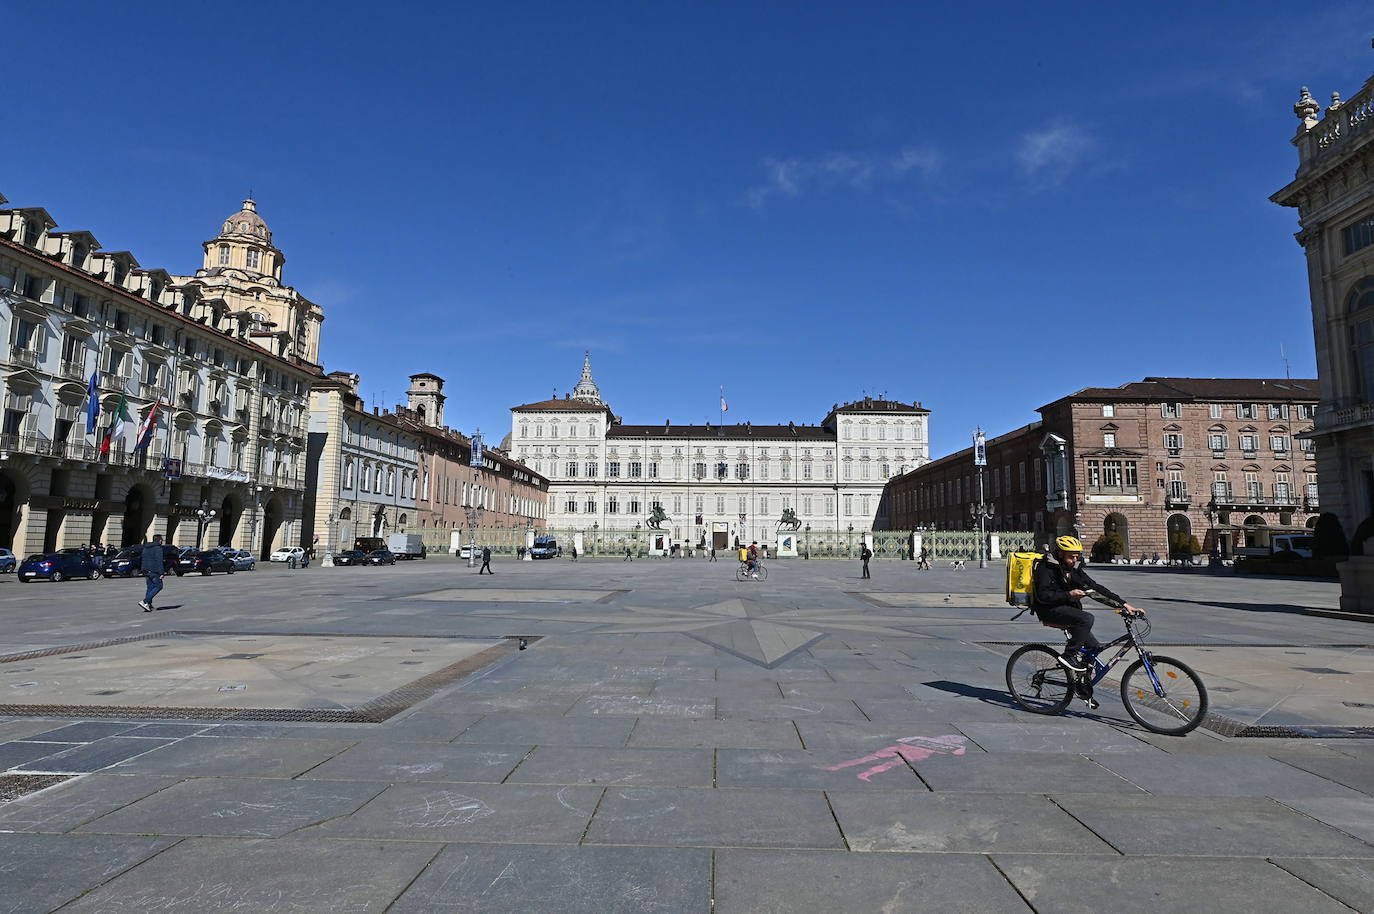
<point>957,564</point>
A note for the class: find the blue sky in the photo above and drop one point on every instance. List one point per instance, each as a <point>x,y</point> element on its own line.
<point>980,206</point>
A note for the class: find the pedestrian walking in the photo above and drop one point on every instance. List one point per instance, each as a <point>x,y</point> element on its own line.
<point>865,554</point>
<point>629,557</point>
<point>713,554</point>
<point>152,568</point>
<point>486,561</point>
<point>924,564</point>
<point>574,553</point>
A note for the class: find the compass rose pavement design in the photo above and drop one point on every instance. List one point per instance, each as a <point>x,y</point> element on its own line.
<point>763,633</point>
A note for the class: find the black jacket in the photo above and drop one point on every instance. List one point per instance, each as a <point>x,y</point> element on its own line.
<point>152,559</point>
<point>1053,581</point>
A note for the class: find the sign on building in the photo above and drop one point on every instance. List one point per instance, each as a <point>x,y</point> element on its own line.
<point>477,458</point>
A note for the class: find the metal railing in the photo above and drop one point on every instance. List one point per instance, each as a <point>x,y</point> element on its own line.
<point>26,357</point>
<point>73,370</point>
<point>111,381</point>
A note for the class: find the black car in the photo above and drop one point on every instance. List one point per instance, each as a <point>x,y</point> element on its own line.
<point>381,557</point>
<point>351,557</point>
<point>58,566</point>
<point>205,562</point>
<point>129,562</point>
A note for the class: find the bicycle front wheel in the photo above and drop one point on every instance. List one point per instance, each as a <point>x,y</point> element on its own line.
<point>1036,680</point>
<point>762,572</point>
<point>1176,707</point>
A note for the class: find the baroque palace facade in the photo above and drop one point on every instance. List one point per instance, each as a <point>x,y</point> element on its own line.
<point>1333,193</point>
<point>1228,460</point>
<point>229,434</point>
<point>717,485</point>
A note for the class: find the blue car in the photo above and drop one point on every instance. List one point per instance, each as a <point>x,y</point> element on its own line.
<point>58,566</point>
<point>8,562</point>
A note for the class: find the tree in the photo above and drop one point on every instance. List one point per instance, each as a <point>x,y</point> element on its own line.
<point>1328,539</point>
<point>1108,546</point>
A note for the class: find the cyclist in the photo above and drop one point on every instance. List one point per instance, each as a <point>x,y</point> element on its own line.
<point>753,559</point>
<point>1060,584</point>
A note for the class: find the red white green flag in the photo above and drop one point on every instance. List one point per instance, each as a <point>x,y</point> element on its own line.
<point>120,420</point>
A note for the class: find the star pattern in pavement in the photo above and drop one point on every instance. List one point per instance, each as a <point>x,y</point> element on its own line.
<point>762,633</point>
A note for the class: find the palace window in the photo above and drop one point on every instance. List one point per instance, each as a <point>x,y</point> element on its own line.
<point>1109,439</point>
<point>254,258</point>
<point>1358,236</point>
<point>570,506</point>
<point>613,469</point>
<point>224,255</point>
<point>1217,442</point>
<point>1214,410</point>
<point>591,469</point>
<point>1278,411</point>
<point>1173,441</point>
<point>741,471</point>
<point>1249,443</point>
<point>571,469</point>
<point>1278,443</point>
<point>591,506</point>
<point>698,471</point>
<point>633,506</point>
<point>1246,410</point>
<point>1170,410</point>
<point>1108,410</point>
<point>653,469</point>
<point>636,469</point>
<point>612,505</point>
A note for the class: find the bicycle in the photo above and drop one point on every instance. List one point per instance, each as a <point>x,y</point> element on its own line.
<point>760,572</point>
<point>1161,694</point>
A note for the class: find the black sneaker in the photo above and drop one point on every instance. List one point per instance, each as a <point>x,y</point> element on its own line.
<point>1073,662</point>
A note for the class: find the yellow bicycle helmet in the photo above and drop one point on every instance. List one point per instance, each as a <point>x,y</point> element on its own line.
<point>1068,544</point>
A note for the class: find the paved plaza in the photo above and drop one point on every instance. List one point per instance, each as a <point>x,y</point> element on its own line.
<point>670,740</point>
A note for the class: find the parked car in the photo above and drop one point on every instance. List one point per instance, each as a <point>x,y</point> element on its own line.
<point>58,566</point>
<point>8,561</point>
<point>381,557</point>
<point>351,557</point>
<point>205,562</point>
<point>465,552</point>
<point>243,559</point>
<point>286,553</point>
<point>545,547</point>
<point>129,562</point>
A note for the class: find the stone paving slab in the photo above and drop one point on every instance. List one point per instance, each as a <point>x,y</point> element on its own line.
<point>1354,817</point>
<point>634,706</point>
<point>1077,884</point>
<point>536,729</point>
<point>94,756</point>
<point>788,709</point>
<point>693,817</point>
<point>807,769</point>
<point>1219,827</point>
<point>1354,773</point>
<point>709,734</point>
<point>404,762</point>
<point>235,807</point>
<point>1055,734</point>
<point>43,872</point>
<point>201,756</point>
<point>911,709</point>
<point>428,726</point>
<point>16,754</point>
<point>293,731</point>
<point>78,801</point>
<point>87,731</point>
<point>1201,776</point>
<point>1028,772</point>
<point>14,729</point>
<point>851,691</point>
<point>231,876</point>
<point>1349,881</point>
<point>473,813</point>
<point>825,882</point>
<point>620,767</point>
<point>861,738</point>
<point>699,690</point>
<point>491,879</point>
<point>959,823</point>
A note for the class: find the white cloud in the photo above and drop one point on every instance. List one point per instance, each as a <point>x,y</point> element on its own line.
<point>860,171</point>
<point>1050,155</point>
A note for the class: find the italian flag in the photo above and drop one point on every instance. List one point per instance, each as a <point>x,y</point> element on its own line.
<point>119,422</point>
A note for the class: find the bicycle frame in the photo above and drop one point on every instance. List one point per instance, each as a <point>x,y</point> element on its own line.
<point>1127,642</point>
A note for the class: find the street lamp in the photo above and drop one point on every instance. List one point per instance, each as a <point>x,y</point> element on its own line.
<point>473,515</point>
<point>204,514</point>
<point>806,554</point>
<point>636,538</point>
<point>851,540</point>
<point>596,537</point>
<point>980,512</point>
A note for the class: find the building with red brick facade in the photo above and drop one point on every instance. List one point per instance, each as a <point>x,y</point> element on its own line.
<point>1217,458</point>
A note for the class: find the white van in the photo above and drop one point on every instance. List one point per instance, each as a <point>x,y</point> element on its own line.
<point>1301,543</point>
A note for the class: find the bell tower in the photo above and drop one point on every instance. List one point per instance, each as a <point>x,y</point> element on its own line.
<point>426,399</point>
<point>586,388</point>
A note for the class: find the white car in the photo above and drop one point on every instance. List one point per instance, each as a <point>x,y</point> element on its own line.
<point>286,554</point>
<point>465,552</point>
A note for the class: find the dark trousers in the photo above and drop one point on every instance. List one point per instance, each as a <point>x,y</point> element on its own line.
<point>1079,621</point>
<point>486,566</point>
<point>866,574</point>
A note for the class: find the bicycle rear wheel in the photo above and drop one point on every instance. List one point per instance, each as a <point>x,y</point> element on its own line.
<point>1178,710</point>
<point>742,573</point>
<point>1036,680</point>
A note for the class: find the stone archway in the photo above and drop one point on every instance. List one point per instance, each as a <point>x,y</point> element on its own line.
<point>1180,530</point>
<point>379,525</point>
<point>1117,523</point>
<point>272,515</point>
<point>138,514</point>
<point>230,514</point>
<point>1256,530</point>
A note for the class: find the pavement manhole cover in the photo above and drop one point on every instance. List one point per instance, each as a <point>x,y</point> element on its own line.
<point>14,786</point>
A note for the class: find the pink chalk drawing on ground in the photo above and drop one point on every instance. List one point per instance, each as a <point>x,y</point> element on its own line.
<point>908,749</point>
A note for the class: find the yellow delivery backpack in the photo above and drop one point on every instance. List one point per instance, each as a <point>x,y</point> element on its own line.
<point>1021,579</point>
<point>744,553</point>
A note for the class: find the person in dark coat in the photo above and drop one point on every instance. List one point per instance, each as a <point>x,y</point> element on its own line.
<point>152,567</point>
<point>486,561</point>
<point>865,554</point>
<point>1059,586</point>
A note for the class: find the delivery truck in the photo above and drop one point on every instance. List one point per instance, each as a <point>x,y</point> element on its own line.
<point>406,545</point>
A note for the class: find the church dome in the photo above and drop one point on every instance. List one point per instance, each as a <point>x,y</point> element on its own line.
<point>247,222</point>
